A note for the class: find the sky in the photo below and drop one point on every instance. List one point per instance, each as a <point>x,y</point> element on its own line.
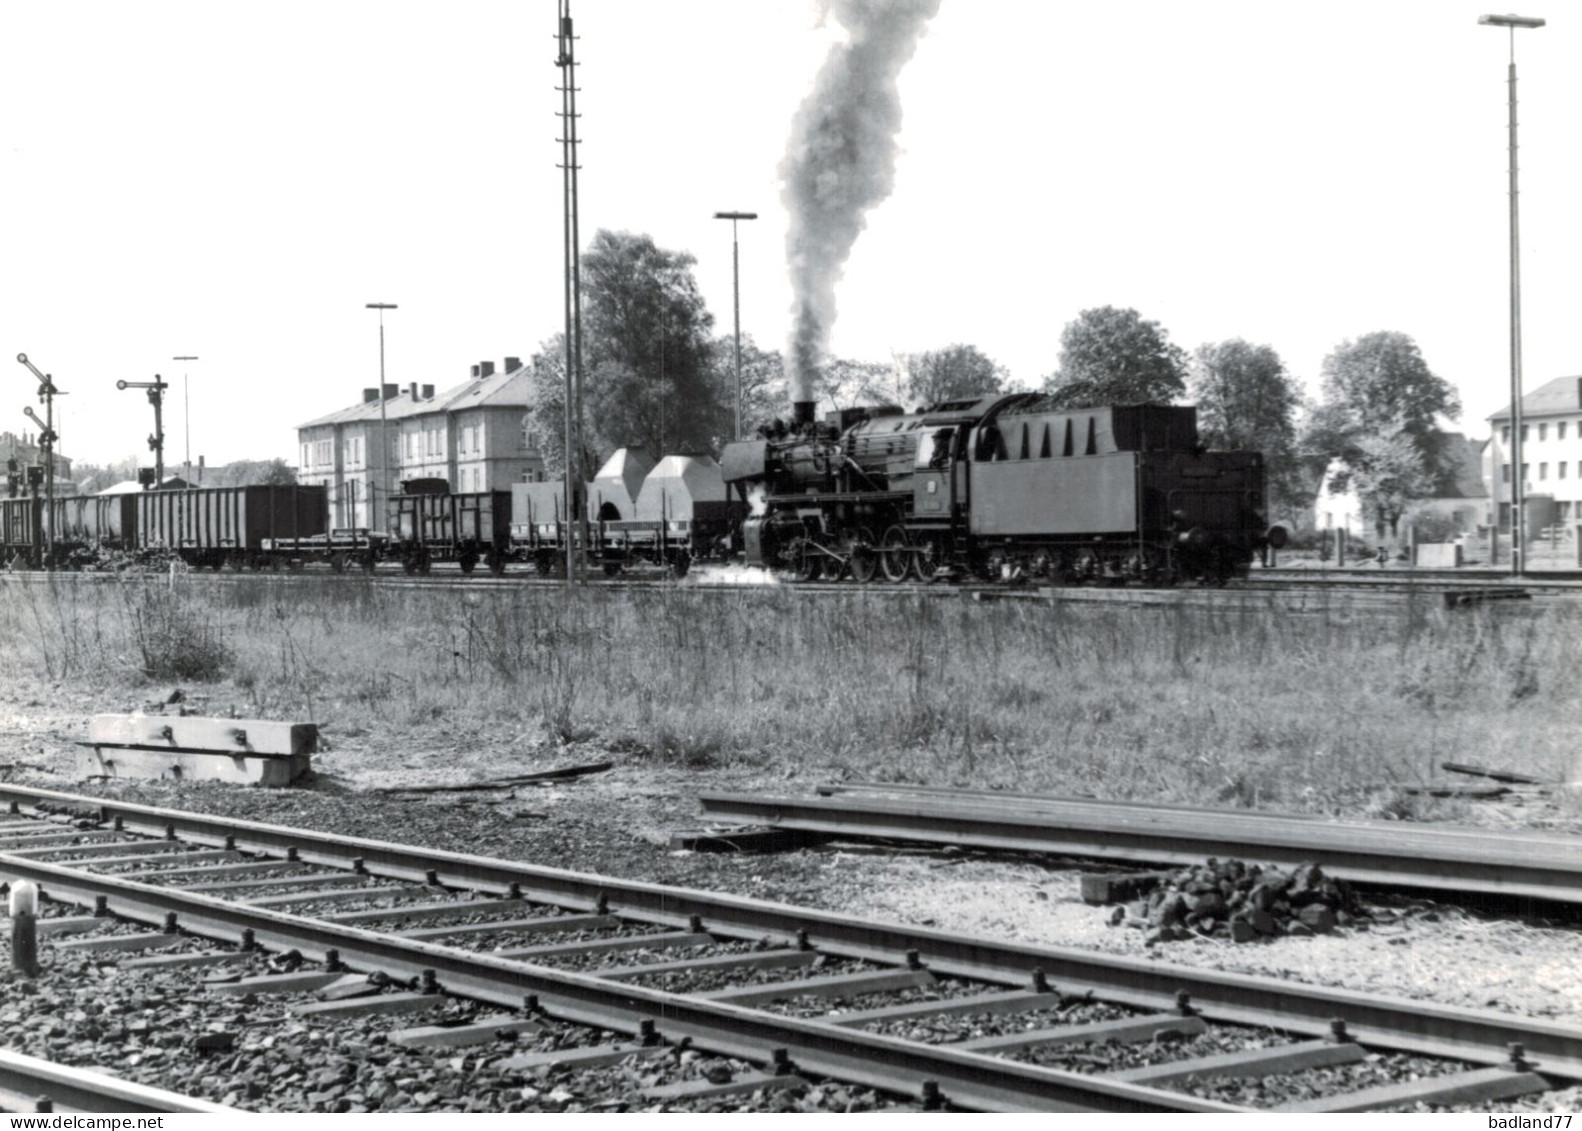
<point>236,181</point>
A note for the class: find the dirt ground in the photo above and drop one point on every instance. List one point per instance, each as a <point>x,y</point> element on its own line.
<point>620,822</point>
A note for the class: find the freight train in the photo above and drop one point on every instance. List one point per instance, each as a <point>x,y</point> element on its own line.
<point>665,515</point>
<point>1001,487</point>
<point>255,527</point>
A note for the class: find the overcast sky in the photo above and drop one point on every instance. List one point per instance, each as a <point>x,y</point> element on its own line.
<point>237,180</point>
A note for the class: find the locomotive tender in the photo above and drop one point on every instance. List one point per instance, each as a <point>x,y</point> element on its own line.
<point>1001,487</point>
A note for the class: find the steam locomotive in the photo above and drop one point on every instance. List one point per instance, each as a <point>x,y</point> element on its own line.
<point>1001,487</point>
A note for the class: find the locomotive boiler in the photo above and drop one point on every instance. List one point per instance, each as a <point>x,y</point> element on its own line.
<point>1000,487</point>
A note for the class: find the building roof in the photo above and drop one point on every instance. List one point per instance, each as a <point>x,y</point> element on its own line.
<point>1562,395</point>
<point>498,390</point>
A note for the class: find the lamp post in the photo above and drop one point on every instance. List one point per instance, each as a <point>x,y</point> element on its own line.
<point>384,434</point>
<point>1518,518</point>
<point>186,415</point>
<point>736,296</point>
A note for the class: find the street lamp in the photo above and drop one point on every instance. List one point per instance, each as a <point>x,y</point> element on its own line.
<point>1518,519</point>
<point>384,434</point>
<point>736,294</point>
<point>186,413</point>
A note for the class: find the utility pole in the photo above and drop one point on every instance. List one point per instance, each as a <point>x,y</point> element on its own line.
<point>47,392</point>
<point>1518,488</point>
<point>736,296</point>
<point>156,397</point>
<point>385,484</point>
<point>576,555</point>
<point>186,416</point>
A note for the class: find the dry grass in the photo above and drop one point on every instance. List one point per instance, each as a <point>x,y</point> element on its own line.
<point>1244,704</point>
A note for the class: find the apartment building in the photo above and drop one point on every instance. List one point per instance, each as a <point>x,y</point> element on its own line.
<point>470,435</point>
<point>1551,455</point>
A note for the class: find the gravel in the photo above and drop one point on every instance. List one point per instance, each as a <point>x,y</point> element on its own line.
<point>619,823</point>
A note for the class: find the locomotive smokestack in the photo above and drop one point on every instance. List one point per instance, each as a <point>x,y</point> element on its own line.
<point>802,412</point>
<point>840,162</point>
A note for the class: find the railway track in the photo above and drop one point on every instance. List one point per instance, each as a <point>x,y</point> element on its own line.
<point>1336,592</point>
<point>675,979</point>
<point>29,1084</point>
<point>1456,861</point>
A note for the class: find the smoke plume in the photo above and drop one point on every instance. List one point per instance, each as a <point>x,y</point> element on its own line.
<point>841,162</point>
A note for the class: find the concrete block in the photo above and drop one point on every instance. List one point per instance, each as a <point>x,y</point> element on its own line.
<point>119,762</point>
<point>197,733</point>
<point>1438,555</point>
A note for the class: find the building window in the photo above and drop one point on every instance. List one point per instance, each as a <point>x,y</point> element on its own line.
<point>1543,432</point>
<point>1526,428</point>
<point>1560,470</point>
<point>1505,434</point>
<point>1543,471</point>
<point>1505,473</point>
<point>1527,472</point>
<point>1563,511</point>
<point>304,455</point>
<point>1560,430</point>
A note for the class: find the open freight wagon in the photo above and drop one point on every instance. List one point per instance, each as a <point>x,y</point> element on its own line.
<point>426,527</point>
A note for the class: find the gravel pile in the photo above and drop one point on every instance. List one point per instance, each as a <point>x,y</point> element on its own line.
<point>1241,902</point>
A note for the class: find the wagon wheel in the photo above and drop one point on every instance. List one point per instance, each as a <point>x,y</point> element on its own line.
<point>496,562</point>
<point>468,562</point>
<point>864,558</point>
<point>423,562</point>
<point>409,564</point>
<point>544,562</point>
<point>369,561</point>
<point>338,562</point>
<point>894,559</point>
<point>928,559</point>
<point>806,564</point>
<point>612,569</point>
<point>681,564</point>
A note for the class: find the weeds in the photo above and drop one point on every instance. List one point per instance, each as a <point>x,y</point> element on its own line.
<point>1243,703</point>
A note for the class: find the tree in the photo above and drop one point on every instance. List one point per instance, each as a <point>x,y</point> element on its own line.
<point>1246,401</point>
<point>1381,378</point>
<point>648,373</point>
<point>1112,356</point>
<point>847,384</point>
<point>765,392</point>
<point>1379,417</point>
<point>951,373</point>
<point>1389,471</point>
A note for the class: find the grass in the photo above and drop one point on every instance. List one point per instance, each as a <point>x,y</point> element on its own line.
<point>1242,704</point>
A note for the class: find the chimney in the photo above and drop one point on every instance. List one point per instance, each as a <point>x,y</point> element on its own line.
<point>486,369</point>
<point>390,392</point>
<point>412,390</point>
<point>428,392</point>
<point>370,395</point>
<point>474,372</point>
<point>512,364</point>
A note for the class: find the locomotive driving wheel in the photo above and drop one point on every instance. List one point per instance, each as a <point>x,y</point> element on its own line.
<point>863,557</point>
<point>895,558</point>
<point>928,559</point>
<point>806,562</point>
